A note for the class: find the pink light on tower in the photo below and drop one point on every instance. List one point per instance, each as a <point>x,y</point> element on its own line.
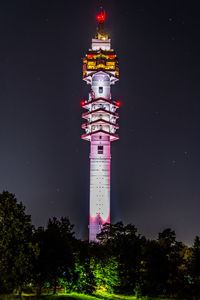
<point>100,70</point>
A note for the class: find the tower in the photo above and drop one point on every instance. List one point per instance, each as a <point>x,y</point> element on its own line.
<point>100,70</point>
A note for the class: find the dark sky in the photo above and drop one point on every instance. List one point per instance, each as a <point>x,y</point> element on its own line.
<point>156,162</point>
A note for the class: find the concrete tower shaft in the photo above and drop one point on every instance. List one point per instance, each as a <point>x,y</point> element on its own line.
<point>100,70</point>
<point>99,184</point>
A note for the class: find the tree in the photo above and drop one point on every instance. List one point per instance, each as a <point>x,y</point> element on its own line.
<point>40,272</point>
<point>154,269</point>
<point>194,269</point>
<point>105,272</point>
<point>83,274</point>
<point>56,259</point>
<point>174,267</point>
<point>125,244</point>
<point>17,251</point>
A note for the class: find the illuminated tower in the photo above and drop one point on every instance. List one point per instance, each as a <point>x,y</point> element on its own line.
<point>100,70</point>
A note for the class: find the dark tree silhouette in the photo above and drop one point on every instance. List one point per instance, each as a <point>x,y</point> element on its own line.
<point>56,257</point>
<point>17,251</point>
<point>153,272</point>
<point>194,269</point>
<point>174,267</point>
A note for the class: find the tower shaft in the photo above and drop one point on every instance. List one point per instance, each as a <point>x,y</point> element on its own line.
<point>100,70</point>
<point>99,184</point>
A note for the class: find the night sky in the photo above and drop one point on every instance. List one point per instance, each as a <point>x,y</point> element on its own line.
<point>155,179</point>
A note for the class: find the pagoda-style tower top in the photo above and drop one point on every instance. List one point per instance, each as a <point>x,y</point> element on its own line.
<point>101,57</point>
<point>101,70</point>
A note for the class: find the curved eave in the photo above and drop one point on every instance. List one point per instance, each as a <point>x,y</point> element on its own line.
<point>113,77</point>
<point>105,52</point>
<point>100,121</point>
<point>85,115</point>
<point>87,137</point>
<point>86,105</point>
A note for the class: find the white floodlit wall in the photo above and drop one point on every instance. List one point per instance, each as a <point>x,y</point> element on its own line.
<point>99,184</point>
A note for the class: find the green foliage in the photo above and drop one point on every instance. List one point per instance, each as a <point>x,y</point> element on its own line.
<point>84,277</point>
<point>105,274</point>
<point>125,244</point>
<point>17,251</point>
<point>65,284</point>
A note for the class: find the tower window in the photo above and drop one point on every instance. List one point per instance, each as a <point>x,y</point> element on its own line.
<point>100,90</point>
<point>100,149</point>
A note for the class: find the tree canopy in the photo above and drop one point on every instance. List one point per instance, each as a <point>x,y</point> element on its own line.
<point>123,261</point>
<point>17,251</point>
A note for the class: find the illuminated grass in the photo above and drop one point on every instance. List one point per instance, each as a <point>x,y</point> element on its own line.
<point>104,295</point>
<point>74,296</point>
<point>62,296</point>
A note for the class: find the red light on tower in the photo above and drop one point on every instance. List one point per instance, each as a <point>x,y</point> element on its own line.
<point>118,103</point>
<point>83,103</point>
<point>101,17</point>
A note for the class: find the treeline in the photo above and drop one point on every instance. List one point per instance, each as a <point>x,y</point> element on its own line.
<point>124,262</point>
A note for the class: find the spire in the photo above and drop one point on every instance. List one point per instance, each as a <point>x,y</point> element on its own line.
<point>101,35</point>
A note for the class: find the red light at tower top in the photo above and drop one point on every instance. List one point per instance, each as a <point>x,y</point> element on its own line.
<point>118,103</point>
<point>83,102</point>
<point>101,17</point>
